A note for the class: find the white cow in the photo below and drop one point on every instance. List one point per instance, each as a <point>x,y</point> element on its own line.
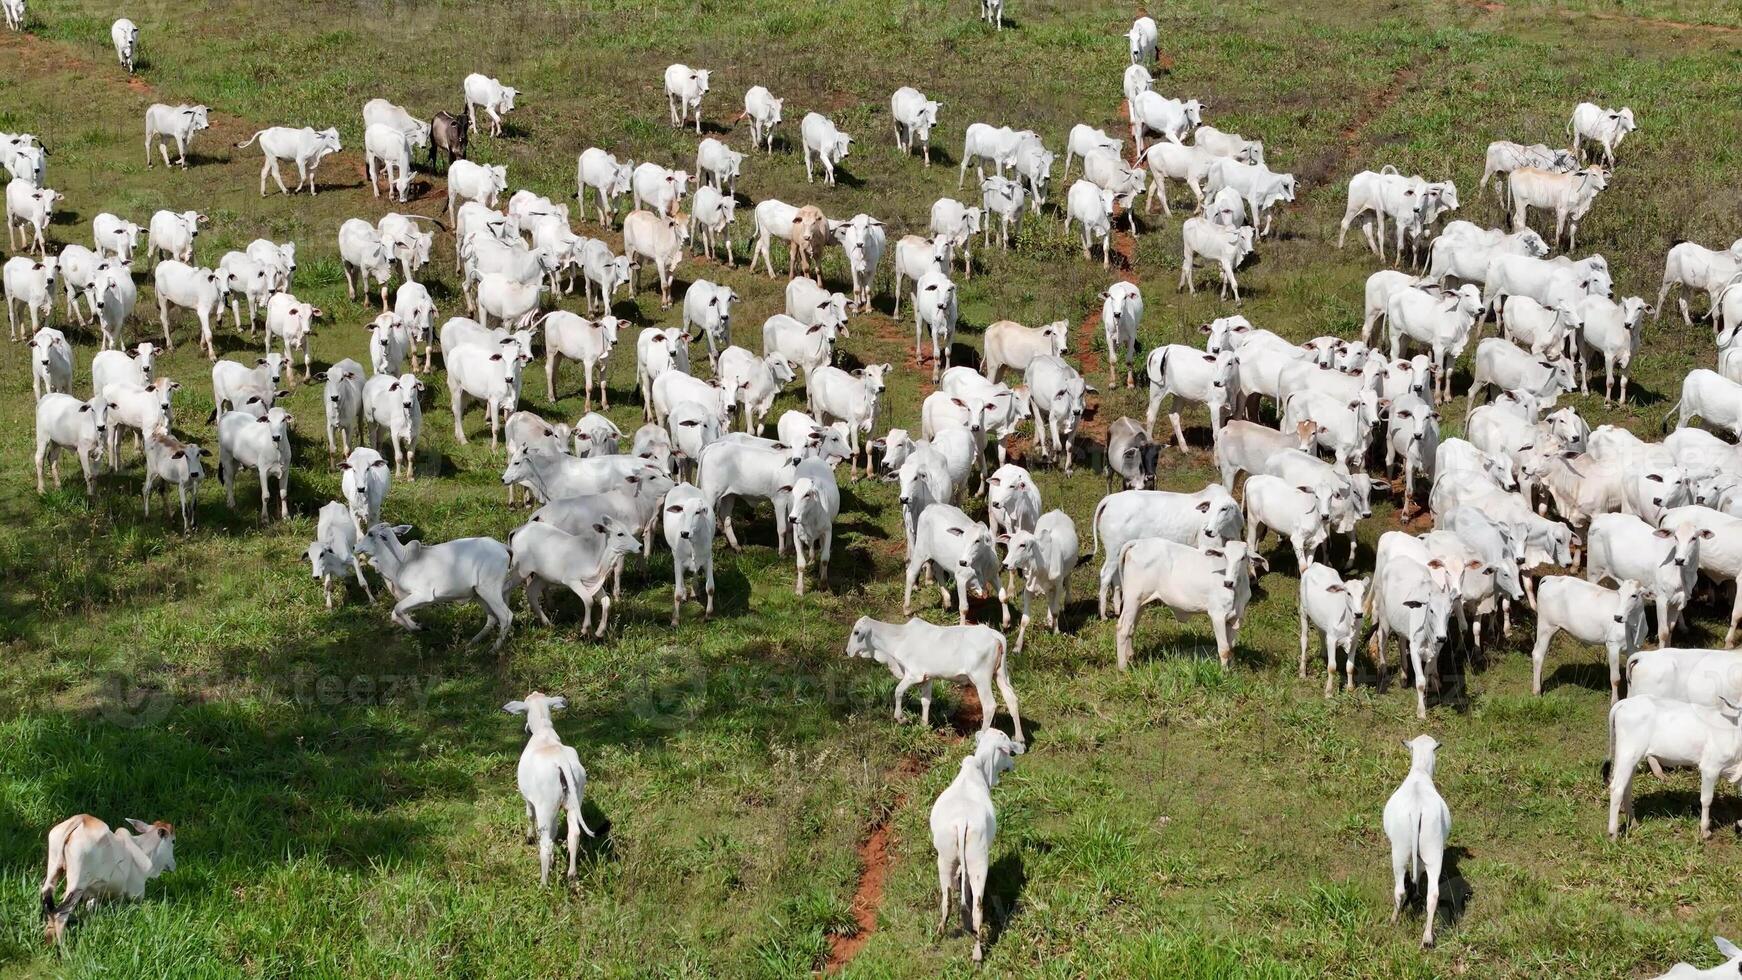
<point>261,442</point>
<point>342,399</point>
<point>1173,119</point>
<point>963,822</point>
<point>1709,396</point>
<point>1091,207</point>
<point>495,98</point>
<point>550,778</point>
<point>1227,247</point>
<point>169,461</point>
<point>540,554</point>
<point>688,523</point>
<point>959,549</point>
<point>833,395</point>
<point>982,143</point>
<point>64,422</point>
<point>114,237</point>
<point>1590,613</point>
<point>1442,323</point>
<point>763,111</point>
<point>918,652</point>
<point>361,248</point>
<point>862,239</point>
<point>1670,734</point>
<point>420,574</point>
<point>914,116</point>
<point>821,138</point>
<point>1414,602</point>
<point>1417,822</point>
<point>1664,561</point>
<point>390,148</point>
<point>29,210</point>
<point>684,89</point>
<point>660,240</point>
<point>177,122</point>
<point>815,504</point>
<point>1215,581</point>
<point>1187,374</point>
<point>293,321</point>
<point>305,147</point>
<point>713,213</point>
<point>1605,127</point>
<point>934,309</point>
<point>97,862</point>
<point>1143,37</point>
<point>1121,314</point>
<point>199,290</point>
<point>1045,556</point>
<point>31,282</point>
<point>1693,265</point>
<point>1202,520</point>
<point>605,176</point>
<point>332,554</point>
<point>51,362</point>
<point>1009,344</point>
<point>1333,605</point>
<point>1004,199</point>
<point>1569,196</point>
<point>468,181</point>
<point>657,351</point>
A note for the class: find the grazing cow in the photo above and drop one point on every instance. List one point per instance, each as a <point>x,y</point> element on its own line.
<point>1121,313</point>
<point>982,143</point>
<point>1176,161</point>
<point>30,209</point>
<point>1605,127</point>
<point>332,554</point>
<point>97,862</point>
<point>169,461</point>
<point>830,146</point>
<point>1417,822</point>
<point>732,470</point>
<point>1085,139</point>
<point>384,113</point>
<point>1091,207</point>
<point>277,258</point>
<point>1046,556</point>
<point>914,116</point>
<point>199,290</point>
<point>720,163</point>
<point>342,398</point>
<point>1172,118</point>
<point>451,135</point>
<point>496,99</point>
<point>262,442</point>
<point>1333,605</point>
<point>179,123</point>
<point>305,147</point>
<point>915,258</point>
<point>963,821</point>
<point>1544,280</point>
<point>688,522</point>
<point>1228,144</point>
<point>1227,247</point>
<point>1670,734</point>
<point>918,652</point>
<point>1569,196</point>
<point>1033,163</point>
<point>955,221</point>
<point>1004,199</point>
<point>660,240</point>
<point>1590,614</point>
<point>541,553</point>
<point>421,574</point>
<point>550,778</point>
<point>754,382</point>
<point>1214,581</point>
<point>1131,455</point>
<point>64,422</point>
<point>1187,374</point>
<point>605,176</point>
<point>763,111</point>
<point>684,89</point>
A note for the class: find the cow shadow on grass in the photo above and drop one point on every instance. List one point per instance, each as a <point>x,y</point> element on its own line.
<point>1591,676</point>
<point>1681,804</point>
<point>1005,882</point>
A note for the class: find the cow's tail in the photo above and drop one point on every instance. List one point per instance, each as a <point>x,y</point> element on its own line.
<point>569,774</point>
<point>250,139</point>
<point>1095,531</point>
<point>962,866</point>
<point>1663,426</point>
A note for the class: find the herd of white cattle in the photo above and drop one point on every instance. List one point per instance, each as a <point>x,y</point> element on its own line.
<point>1653,520</point>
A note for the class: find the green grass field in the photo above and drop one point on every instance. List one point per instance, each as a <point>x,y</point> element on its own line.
<point>344,791</point>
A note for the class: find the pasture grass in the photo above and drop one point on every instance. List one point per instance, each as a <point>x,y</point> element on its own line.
<point>344,790</point>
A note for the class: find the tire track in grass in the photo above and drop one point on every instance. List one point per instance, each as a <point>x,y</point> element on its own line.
<point>874,862</point>
<point>1658,23</point>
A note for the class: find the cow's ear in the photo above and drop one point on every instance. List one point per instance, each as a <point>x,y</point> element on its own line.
<point>1664,532</point>
<point>258,361</point>
<point>1337,589</point>
<point>178,454</point>
<point>1413,603</point>
<point>84,408</point>
<point>1306,490</point>
<point>1204,508</point>
<point>495,357</point>
<point>956,531</point>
